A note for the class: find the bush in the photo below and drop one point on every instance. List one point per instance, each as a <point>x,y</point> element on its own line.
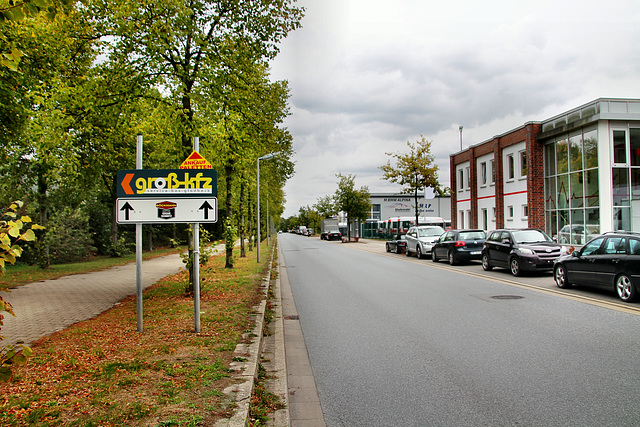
<point>68,238</point>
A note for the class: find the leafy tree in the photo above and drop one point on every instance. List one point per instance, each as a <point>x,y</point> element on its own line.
<point>13,231</point>
<point>355,203</point>
<point>414,170</point>
<point>326,207</point>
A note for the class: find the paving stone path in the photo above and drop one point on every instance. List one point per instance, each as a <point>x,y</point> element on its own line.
<point>45,307</point>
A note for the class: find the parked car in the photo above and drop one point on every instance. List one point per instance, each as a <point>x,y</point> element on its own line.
<point>610,261</point>
<point>334,235</point>
<point>397,244</point>
<point>420,239</point>
<point>459,246</point>
<point>520,250</point>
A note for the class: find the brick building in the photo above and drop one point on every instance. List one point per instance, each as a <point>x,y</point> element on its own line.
<point>572,175</point>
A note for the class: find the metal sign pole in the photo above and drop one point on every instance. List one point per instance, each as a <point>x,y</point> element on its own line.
<point>196,260</point>
<point>139,244</point>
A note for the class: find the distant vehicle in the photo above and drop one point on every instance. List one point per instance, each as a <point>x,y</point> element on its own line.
<point>610,261</point>
<point>397,244</point>
<point>327,225</point>
<point>459,246</point>
<point>520,250</point>
<point>334,235</point>
<point>420,239</point>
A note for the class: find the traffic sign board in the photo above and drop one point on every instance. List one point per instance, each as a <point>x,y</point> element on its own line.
<point>195,161</point>
<point>155,183</point>
<point>170,210</point>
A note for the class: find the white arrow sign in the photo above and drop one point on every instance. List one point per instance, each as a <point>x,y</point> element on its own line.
<point>165,211</point>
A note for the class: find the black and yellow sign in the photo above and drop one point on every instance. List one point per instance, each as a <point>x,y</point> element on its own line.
<point>155,183</point>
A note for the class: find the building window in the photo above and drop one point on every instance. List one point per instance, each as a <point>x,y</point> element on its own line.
<point>461,214</point>
<point>461,179</point>
<point>511,173</point>
<point>523,163</point>
<point>483,173</point>
<point>510,213</point>
<point>493,172</point>
<point>572,196</point>
<point>525,211</point>
<point>468,178</point>
<point>619,146</point>
<point>485,219</point>
<point>375,211</point>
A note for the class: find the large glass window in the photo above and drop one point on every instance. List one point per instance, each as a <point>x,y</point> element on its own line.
<point>621,187</point>
<point>572,196</point>
<point>634,146</point>
<point>619,146</point>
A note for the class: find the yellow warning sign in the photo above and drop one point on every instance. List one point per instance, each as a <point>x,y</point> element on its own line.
<point>195,161</point>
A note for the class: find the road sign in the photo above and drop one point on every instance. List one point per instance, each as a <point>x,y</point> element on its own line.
<point>165,211</point>
<point>157,183</point>
<point>195,161</point>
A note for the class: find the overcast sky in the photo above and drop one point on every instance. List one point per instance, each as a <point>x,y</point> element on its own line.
<point>366,76</point>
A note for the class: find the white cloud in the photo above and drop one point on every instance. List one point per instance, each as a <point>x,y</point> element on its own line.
<point>368,75</point>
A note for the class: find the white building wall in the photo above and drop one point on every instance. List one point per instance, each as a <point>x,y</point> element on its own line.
<point>463,206</point>
<point>515,187</point>
<point>486,193</point>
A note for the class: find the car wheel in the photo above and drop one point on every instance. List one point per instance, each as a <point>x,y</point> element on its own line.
<point>418,252</point>
<point>486,265</point>
<point>514,265</point>
<point>407,252</point>
<point>434,257</point>
<point>452,258</point>
<point>560,276</point>
<point>625,288</point>
<point>388,248</point>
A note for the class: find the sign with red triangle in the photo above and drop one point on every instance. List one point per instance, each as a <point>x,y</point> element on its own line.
<point>195,161</point>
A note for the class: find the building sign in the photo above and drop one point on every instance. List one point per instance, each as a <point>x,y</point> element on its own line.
<point>154,183</point>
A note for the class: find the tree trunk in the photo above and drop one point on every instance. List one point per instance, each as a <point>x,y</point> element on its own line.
<point>229,208</point>
<point>242,219</point>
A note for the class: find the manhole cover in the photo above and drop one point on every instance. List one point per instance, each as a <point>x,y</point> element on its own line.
<point>292,317</point>
<point>507,297</point>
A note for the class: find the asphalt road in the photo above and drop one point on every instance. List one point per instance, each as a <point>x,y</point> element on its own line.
<point>396,341</point>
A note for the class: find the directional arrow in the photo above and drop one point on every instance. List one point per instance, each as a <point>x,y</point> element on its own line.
<point>206,206</point>
<point>126,208</point>
<point>126,181</point>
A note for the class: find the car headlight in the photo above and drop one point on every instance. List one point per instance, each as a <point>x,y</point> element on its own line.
<point>526,251</point>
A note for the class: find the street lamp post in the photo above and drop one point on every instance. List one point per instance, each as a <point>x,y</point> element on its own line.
<point>460,128</point>
<point>265,157</point>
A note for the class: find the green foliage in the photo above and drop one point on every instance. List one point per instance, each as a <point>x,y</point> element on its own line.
<point>13,231</point>
<point>68,237</point>
<point>355,203</point>
<point>414,170</point>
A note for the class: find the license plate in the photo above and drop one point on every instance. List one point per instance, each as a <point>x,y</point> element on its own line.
<point>476,253</point>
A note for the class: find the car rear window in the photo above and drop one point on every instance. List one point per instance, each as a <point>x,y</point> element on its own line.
<point>471,235</point>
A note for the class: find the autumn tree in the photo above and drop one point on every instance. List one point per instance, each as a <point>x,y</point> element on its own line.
<point>414,170</point>
<point>353,202</point>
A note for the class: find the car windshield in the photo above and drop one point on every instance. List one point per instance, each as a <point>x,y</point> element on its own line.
<point>471,235</point>
<point>430,232</point>
<point>530,236</point>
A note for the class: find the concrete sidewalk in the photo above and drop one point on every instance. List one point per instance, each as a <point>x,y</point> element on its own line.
<point>45,307</point>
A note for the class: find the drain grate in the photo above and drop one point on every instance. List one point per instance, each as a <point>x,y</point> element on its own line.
<point>507,297</point>
<point>292,317</point>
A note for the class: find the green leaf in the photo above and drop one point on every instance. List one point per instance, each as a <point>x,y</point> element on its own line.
<point>5,373</point>
<point>29,236</point>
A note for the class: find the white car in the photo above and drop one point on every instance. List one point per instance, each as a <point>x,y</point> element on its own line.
<point>420,239</point>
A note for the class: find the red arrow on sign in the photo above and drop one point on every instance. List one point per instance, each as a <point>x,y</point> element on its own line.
<point>125,183</point>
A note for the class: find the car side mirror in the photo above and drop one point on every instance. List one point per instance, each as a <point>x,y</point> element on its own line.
<point>506,241</point>
<point>575,254</point>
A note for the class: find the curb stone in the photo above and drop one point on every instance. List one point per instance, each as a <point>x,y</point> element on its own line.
<point>247,360</point>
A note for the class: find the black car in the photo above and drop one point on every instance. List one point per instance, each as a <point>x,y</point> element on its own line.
<point>397,244</point>
<point>520,250</point>
<point>610,261</point>
<point>334,235</point>
<point>459,246</point>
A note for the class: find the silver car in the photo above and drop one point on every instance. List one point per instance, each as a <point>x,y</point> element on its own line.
<point>420,239</point>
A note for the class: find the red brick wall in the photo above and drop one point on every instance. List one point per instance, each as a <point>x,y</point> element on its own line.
<point>535,175</point>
